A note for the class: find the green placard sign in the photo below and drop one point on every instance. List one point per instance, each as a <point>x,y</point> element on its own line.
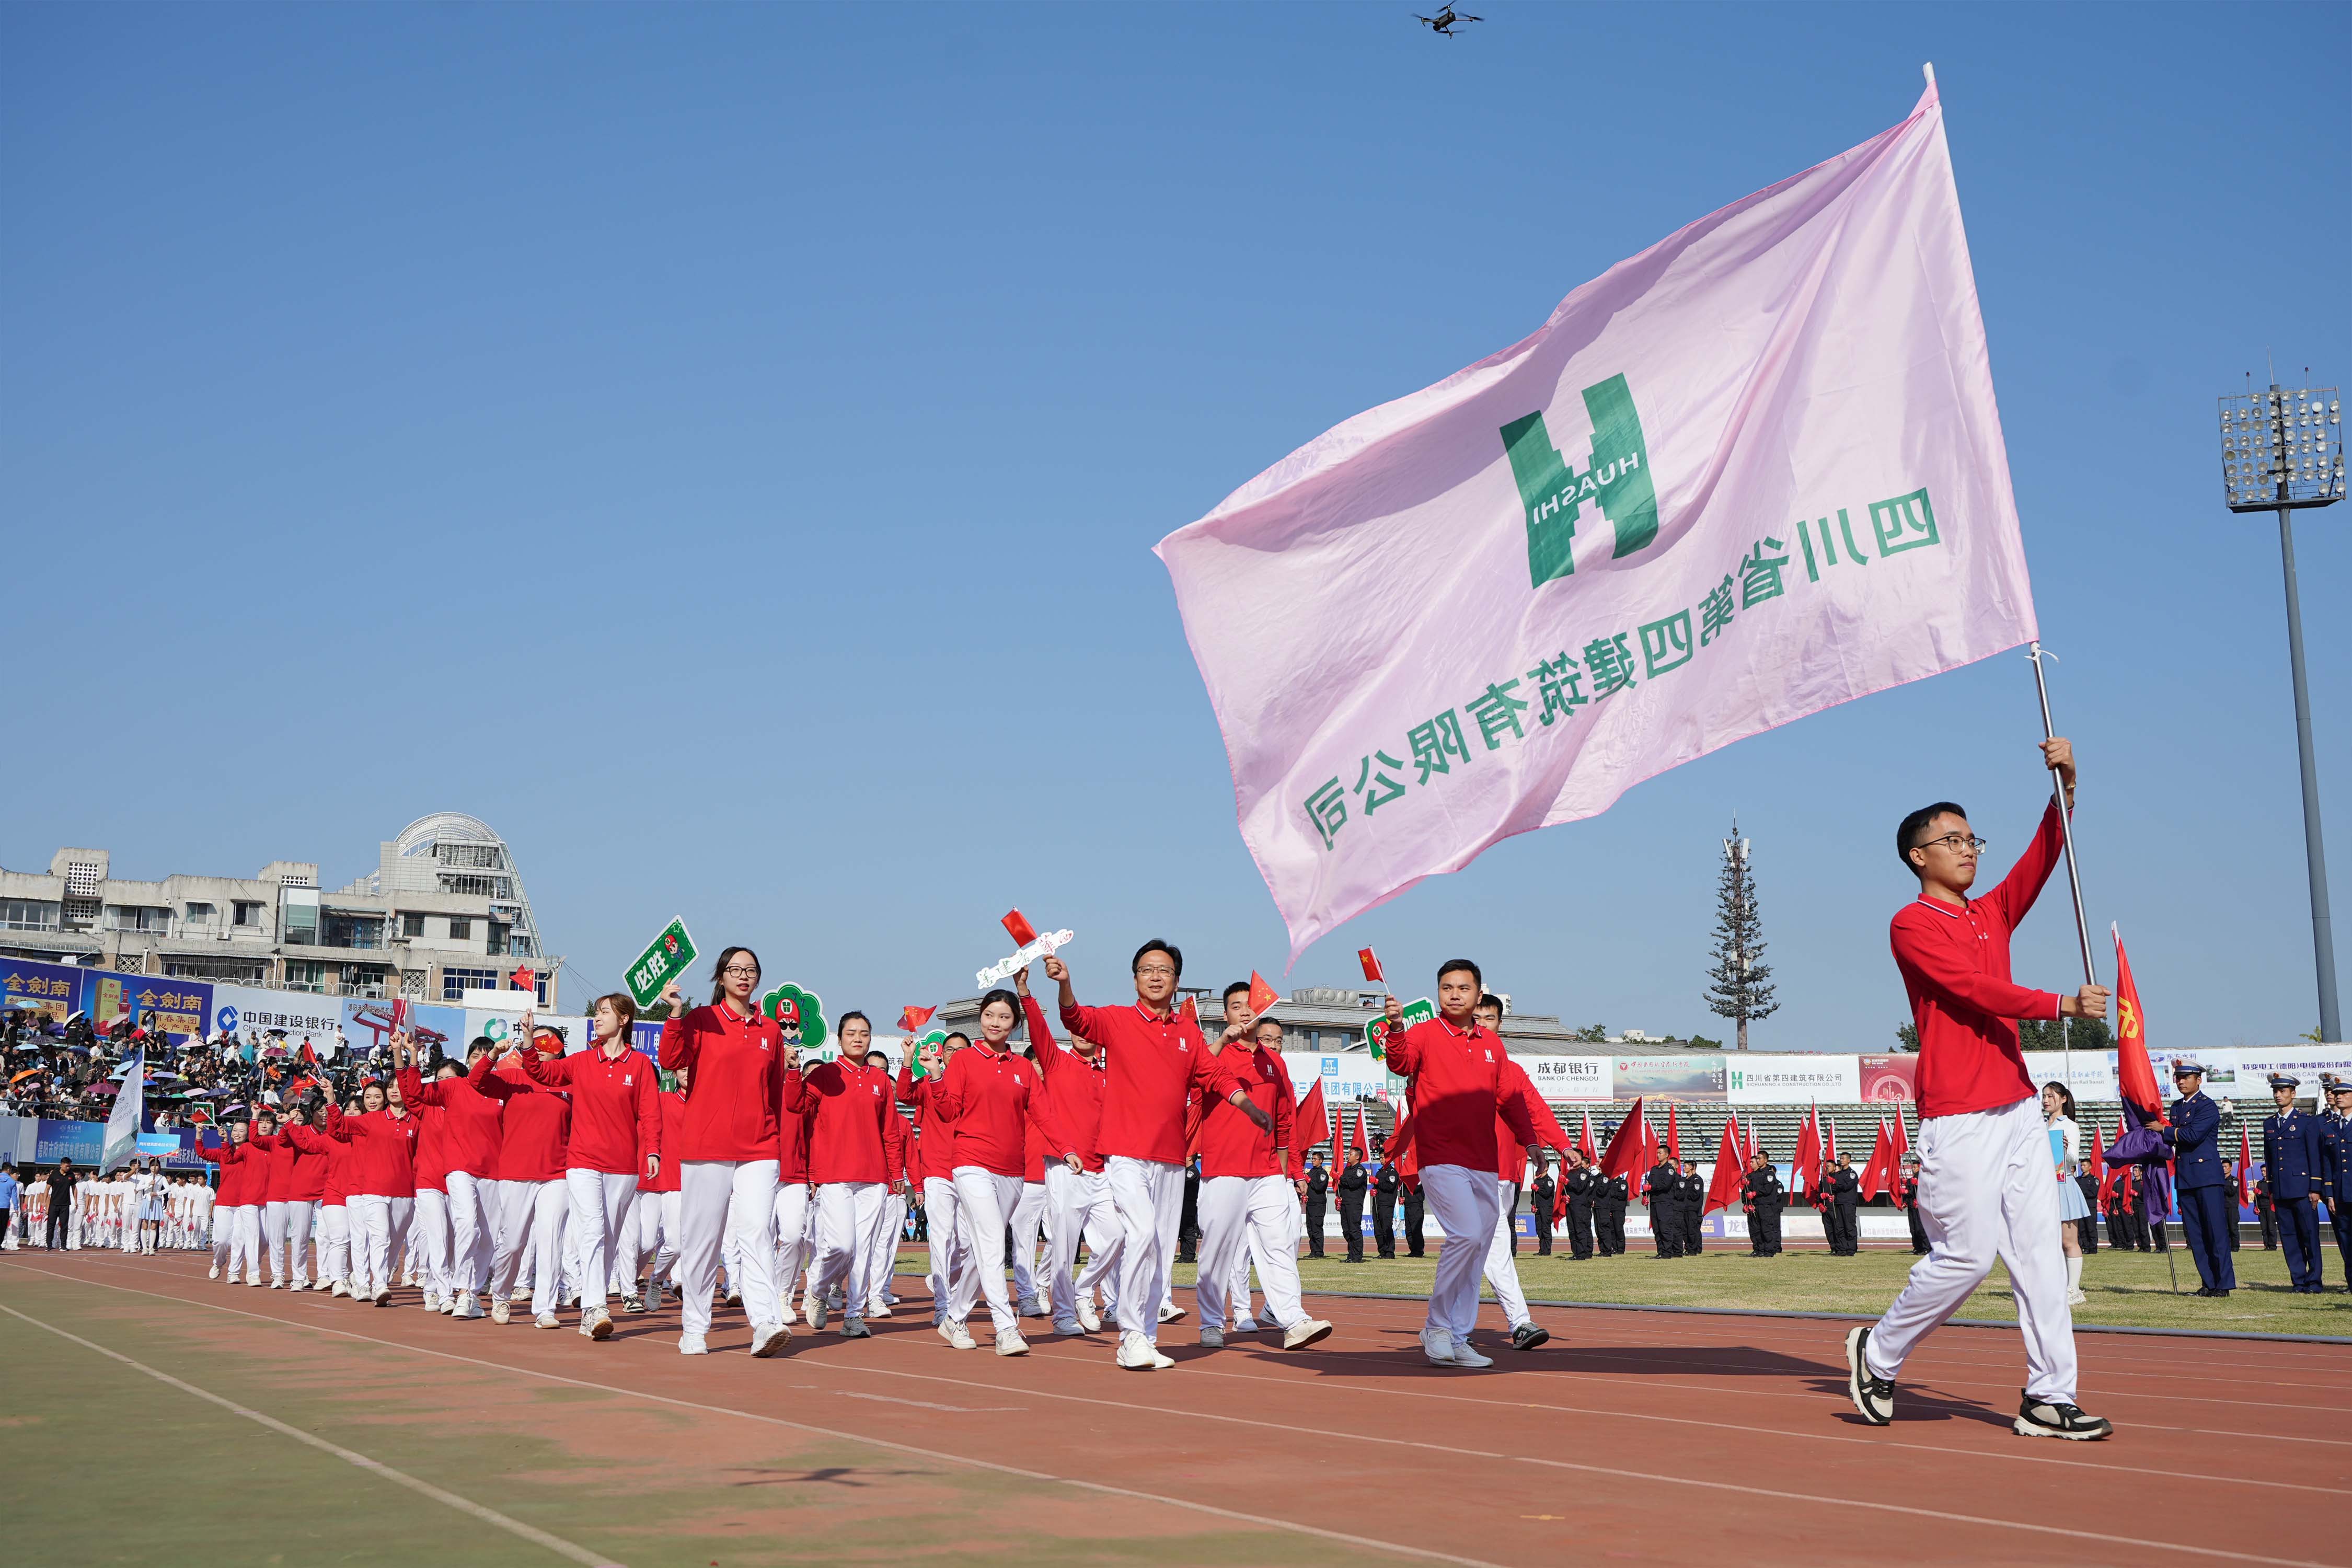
<point>1376,1034</point>
<point>798,1013</point>
<point>915,1046</point>
<point>660,963</point>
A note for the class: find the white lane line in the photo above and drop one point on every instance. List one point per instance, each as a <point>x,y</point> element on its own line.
<point>531,1533</point>
<point>917,1403</point>
<point>1362,1542</point>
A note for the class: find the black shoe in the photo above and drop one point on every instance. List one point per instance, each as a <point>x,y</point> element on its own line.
<point>1873,1395</point>
<point>2044,1419</point>
<point>1528,1336</point>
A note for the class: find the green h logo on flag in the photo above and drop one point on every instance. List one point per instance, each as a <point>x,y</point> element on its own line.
<point>1553,493</point>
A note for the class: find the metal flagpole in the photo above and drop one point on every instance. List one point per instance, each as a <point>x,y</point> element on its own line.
<point>2065,817</point>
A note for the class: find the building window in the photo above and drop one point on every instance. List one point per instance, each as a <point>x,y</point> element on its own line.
<point>362,932</point>
<point>246,972</point>
<point>305,975</point>
<point>246,912</point>
<point>81,876</point>
<point>136,917</point>
<point>199,914</point>
<point>461,928</point>
<point>454,983</point>
<point>363,979</point>
<point>28,914</point>
<point>412,925</point>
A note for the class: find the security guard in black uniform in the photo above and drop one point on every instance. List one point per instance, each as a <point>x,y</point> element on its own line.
<point>1911,1204</point>
<point>1763,1196</point>
<point>1846,1204</point>
<point>1609,1215</point>
<point>1319,1196</point>
<point>1544,1193</point>
<point>1690,1201</point>
<point>2266,1213</point>
<point>2295,1166</point>
<point>1665,1228</point>
<point>2336,1143</point>
<point>1384,1195</point>
<point>1416,1205</point>
<point>1583,1186</point>
<point>1352,1181</point>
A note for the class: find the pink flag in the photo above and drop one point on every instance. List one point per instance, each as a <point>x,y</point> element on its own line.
<point>1751,473</point>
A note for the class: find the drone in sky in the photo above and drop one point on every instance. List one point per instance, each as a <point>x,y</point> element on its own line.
<point>1445,22</point>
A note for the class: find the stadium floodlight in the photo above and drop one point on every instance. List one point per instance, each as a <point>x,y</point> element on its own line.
<point>2283,450</point>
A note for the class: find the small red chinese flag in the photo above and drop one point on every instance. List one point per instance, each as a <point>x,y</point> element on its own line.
<point>1018,928</point>
<point>1262,996</point>
<point>525,978</point>
<point>2135,1074</point>
<point>1311,1123</point>
<point>1188,1013</point>
<point>1632,1148</point>
<point>1585,1144</point>
<point>1724,1187</point>
<point>1372,974</point>
<point>911,1017</point>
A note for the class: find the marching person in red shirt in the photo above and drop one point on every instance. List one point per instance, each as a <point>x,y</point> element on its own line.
<point>657,1201</point>
<point>1453,1069</point>
<point>236,1224</point>
<point>616,1138</point>
<point>298,1180</point>
<point>1156,1059</point>
<point>467,1123</point>
<point>334,1212</point>
<point>933,1166</point>
<point>1248,1209</point>
<point>1076,1201</point>
<point>892,1223</point>
<point>382,1179</point>
<point>990,1102</point>
<point>1502,1258</point>
<point>726,1150</point>
<point>856,1138</point>
<point>793,1250</point>
<point>1984,1152</point>
<point>534,1129</point>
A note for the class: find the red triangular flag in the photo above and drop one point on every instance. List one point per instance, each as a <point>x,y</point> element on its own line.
<point>1805,1166</point>
<point>1632,1148</point>
<point>1723,1189</point>
<point>1022,933</point>
<point>1584,1144</point>
<point>1674,1134</point>
<point>2110,1175</point>
<point>1307,1128</point>
<point>1359,1145</point>
<point>1829,1142</point>
<point>310,1057</point>
<point>1262,996</point>
<point>1875,1172</point>
<point>2245,1158</point>
<point>2135,1074</point>
<point>1372,974</point>
<point>911,1018</point>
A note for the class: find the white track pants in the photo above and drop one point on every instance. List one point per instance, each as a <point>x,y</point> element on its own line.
<point>1985,1192</point>
<point>657,1232</point>
<point>530,1228</point>
<point>225,1241</point>
<point>600,1204</point>
<point>288,1226</point>
<point>1028,1218</point>
<point>950,1243</point>
<point>986,1199</point>
<point>335,1244</point>
<point>1245,1218</point>
<point>883,1250</point>
<point>374,1221</point>
<point>472,1210</point>
<point>1465,1202</point>
<point>247,1251</point>
<point>792,1236</point>
<point>1078,1203</point>
<point>1150,1197</point>
<point>713,1195</point>
<point>432,1233</point>
<point>846,1213</point>
<point>1502,1264</point>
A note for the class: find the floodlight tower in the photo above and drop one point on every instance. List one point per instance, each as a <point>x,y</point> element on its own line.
<point>2282,451</point>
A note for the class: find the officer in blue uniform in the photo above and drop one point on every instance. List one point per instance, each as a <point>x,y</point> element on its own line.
<point>2293,1160</point>
<point>2199,1184</point>
<point>2336,1147</point>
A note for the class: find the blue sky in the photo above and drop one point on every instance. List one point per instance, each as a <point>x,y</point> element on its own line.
<point>721,448</point>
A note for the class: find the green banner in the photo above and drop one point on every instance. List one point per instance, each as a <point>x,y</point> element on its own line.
<point>798,1013</point>
<point>663,961</point>
<point>927,1038</point>
<point>1419,1010</point>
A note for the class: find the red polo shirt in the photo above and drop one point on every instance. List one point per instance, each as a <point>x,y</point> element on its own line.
<point>673,1113</point>
<point>1955,965</point>
<point>737,1066</point>
<point>534,1123</point>
<point>1074,1084</point>
<point>468,1119</point>
<point>993,1101</point>
<point>1511,1159</point>
<point>1231,1143</point>
<point>1458,1088</point>
<point>1154,1061</point>
<point>615,1118</point>
<point>855,1131</point>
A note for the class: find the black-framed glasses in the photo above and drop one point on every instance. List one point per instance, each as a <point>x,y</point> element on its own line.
<point>1956,842</point>
<point>749,969</point>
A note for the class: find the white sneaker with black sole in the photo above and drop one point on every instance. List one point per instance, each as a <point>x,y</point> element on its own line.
<point>2052,1418</point>
<point>1528,1336</point>
<point>1873,1395</point>
<point>1306,1332</point>
<point>1438,1346</point>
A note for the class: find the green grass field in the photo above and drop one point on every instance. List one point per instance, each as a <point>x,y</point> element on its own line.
<point>2125,1288</point>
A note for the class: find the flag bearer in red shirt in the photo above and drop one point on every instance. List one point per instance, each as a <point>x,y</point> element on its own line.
<point>1076,1202</point>
<point>1247,1208</point>
<point>616,1140</point>
<point>727,1149</point>
<point>1984,1180</point>
<point>990,1101</point>
<point>1155,1059</point>
<point>1502,1258</point>
<point>1455,1072</point>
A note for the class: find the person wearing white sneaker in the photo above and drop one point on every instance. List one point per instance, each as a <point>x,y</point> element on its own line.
<point>856,1140</point>
<point>527,1171</point>
<point>657,1201</point>
<point>244,1177</point>
<point>1453,1067</point>
<point>468,1123</point>
<point>1156,1060</point>
<point>931,1162</point>
<point>1078,1203</point>
<point>1246,1206</point>
<point>991,1102</point>
<point>334,1214</point>
<point>382,1179</point>
<point>1502,1269</point>
<point>616,1138</point>
<point>890,1218</point>
<point>1985,1176</point>
<point>727,1146</point>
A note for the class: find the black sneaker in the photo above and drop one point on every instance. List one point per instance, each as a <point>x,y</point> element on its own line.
<point>1528,1336</point>
<point>2046,1418</point>
<point>1873,1395</point>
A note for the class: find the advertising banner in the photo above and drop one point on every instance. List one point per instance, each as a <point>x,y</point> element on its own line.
<point>1885,1080</point>
<point>1569,1078</point>
<point>1692,1077</point>
<point>1752,1080</point>
<point>369,1024</point>
<point>1346,1075</point>
<point>174,1008</point>
<point>297,1015</point>
<point>52,990</point>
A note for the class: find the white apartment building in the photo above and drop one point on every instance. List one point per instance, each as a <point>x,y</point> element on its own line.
<point>443,911</point>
